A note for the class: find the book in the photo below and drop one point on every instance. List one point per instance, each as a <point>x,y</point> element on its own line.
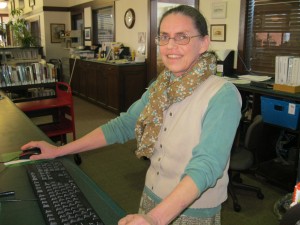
<point>287,70</point>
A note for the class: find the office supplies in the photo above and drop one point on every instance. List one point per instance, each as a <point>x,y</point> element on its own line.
<point>7,193</point>
<point>60,199</point>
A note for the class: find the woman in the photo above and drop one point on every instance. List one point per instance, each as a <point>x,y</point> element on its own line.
<point>185,124</point>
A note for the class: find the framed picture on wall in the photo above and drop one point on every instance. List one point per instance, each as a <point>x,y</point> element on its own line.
<point>56,30</point>
<point>218,10</point>
<point>87,33</point>
<point>21,4</point>
<point>218,32</point>
<point>31,3</point>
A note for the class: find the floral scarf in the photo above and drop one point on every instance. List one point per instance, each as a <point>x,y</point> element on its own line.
<point>168,90</point>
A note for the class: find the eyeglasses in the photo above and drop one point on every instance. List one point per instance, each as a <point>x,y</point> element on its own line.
<point>180,39</point>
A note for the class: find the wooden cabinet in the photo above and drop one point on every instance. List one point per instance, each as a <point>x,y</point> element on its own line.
<point>112,86</point>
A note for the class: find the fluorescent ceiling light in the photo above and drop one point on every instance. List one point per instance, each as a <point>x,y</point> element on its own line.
<point>3,5</point>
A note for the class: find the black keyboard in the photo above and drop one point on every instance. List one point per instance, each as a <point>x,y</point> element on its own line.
<point>60,199</point>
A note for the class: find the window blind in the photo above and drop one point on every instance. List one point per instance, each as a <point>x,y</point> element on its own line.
<point>105,25</point>
<point>273,28</point>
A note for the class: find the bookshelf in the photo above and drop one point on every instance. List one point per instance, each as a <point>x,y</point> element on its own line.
<point>23,76</point>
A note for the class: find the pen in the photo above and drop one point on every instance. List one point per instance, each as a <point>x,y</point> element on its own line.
<point>7,193</point>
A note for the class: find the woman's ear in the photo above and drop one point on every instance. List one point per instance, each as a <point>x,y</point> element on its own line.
<point>205,44</point>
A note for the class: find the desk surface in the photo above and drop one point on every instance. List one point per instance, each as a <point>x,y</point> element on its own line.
<point>269,92</point>
<point>17,129</point>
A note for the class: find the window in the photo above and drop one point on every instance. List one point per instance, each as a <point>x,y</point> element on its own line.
<point>3,21</point>
<point>273,28</point>
<point>103,20</point>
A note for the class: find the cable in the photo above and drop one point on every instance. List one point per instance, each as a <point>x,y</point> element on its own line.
<point>17,200</point>
<point>282,152</point>
<point>243,62</point>
<point>71,76</point>
<point>10,160</point>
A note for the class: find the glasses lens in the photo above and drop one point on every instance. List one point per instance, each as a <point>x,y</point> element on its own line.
<point>163,40</point>
<point>182,39</point>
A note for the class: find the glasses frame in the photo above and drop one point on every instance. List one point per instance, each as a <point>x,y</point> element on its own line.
<point>189,39</point>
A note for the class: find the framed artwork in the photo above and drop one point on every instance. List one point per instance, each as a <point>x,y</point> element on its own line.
<point>141,37</point>
<point>218,10</point>
<point>21,4</point>
<point>56,30</point>
<point>31,3</point>
<point>218,32</point>
<point>87,33</point>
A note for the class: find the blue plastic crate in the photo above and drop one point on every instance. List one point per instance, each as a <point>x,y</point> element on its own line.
<point>279,112</point>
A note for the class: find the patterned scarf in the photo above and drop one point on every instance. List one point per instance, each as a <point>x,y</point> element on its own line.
<point>168,90</point>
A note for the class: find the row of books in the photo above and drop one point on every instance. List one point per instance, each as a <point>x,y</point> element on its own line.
<point>32,93</point>
<point>287,70</point>
<point>34,73</point>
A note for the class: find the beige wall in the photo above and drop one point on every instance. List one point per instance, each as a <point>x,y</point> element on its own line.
<point>54,50</point>
<point>231,21</point>
<point>130,36</point>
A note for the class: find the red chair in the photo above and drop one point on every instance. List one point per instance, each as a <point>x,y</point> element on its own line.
<point>63,118</point>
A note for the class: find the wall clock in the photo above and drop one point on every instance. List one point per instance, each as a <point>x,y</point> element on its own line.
<point>129,18</point>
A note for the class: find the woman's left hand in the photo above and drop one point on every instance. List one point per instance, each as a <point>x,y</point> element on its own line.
<point>137,219</point>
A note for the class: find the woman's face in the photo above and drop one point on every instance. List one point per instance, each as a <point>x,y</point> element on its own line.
<point>179,58</point>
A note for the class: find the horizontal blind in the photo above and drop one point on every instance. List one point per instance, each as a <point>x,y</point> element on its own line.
<point>105,25</point>
<point>275,31</point>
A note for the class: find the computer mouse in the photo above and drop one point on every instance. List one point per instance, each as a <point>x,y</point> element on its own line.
<point>29,152</point>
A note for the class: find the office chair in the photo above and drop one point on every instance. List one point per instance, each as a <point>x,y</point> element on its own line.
<point>242,160</point>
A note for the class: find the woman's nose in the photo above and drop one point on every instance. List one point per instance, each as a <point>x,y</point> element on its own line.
<point>171,43</point>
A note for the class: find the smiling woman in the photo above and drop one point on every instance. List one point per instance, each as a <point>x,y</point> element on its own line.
<point>157,11</point>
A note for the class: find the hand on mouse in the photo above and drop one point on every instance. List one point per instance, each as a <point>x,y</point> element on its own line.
<point>48,151</point>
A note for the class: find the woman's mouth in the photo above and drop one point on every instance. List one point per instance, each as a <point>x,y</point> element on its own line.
<point>174,56</point>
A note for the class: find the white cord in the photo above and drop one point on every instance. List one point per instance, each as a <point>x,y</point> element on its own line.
<point>71,76</point>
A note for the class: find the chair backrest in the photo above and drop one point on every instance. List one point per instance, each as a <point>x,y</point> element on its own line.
<point>254,134</point>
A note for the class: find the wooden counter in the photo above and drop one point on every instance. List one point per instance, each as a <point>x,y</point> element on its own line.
<point>112,86</point>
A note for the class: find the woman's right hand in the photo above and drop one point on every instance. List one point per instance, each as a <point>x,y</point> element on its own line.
<point>48,151</point>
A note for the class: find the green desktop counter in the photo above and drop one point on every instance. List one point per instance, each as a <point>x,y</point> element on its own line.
<point>17,129</point>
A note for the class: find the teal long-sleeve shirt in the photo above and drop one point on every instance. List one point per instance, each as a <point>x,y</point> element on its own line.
<point>218,131</point>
